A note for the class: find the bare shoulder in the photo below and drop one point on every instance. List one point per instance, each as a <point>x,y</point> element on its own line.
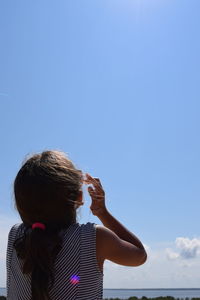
<point>110,246</point>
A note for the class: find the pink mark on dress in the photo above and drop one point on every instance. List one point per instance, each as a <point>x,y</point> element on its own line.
<point>74,279</point>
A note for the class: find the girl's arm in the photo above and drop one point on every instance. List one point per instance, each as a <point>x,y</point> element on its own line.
<point>114,241</point>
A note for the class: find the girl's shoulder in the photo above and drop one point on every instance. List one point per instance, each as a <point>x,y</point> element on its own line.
<point>85,231</point>
<point>15,230</point>
<point>89,229</point>
<point>83,226</point>
<point>88,225</point>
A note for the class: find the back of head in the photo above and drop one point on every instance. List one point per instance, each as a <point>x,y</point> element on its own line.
<point>46,189</point>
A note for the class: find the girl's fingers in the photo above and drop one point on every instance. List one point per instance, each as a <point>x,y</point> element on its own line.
<point>91,179</point>
<point>88,176</point>
<point>98,180</point>
<point>90,190</point>
<point>95,197</point>
<point>96,191</point>
<point>95,182</point>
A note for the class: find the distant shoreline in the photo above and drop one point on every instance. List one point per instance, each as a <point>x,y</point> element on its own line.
<point>136,298</point>
<point>143,294</point>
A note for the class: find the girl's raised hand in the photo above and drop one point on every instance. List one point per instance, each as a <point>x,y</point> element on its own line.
<point>97,195</point>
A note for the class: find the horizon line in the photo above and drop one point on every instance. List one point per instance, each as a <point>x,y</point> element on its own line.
<point>143,288</point>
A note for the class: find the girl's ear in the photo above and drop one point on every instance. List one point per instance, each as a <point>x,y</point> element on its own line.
<point>79,200</point>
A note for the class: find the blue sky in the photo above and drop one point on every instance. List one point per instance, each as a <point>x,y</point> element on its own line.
<point>115,84</point>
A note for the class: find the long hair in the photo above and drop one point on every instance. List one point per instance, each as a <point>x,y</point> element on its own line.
<point>46,189</point>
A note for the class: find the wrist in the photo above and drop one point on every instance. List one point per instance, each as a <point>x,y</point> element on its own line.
<point>103,214</point>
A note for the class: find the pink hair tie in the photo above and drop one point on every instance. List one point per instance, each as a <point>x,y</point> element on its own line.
<point>38,225</point>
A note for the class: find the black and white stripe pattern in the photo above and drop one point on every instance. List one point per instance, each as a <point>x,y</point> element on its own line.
<point>77,257</point>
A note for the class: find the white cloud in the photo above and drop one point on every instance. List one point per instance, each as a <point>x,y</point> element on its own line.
<point>188,248</point>
<point>171,255</point>
<point>185,249</point>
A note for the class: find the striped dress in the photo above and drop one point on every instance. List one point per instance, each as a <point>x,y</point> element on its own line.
<point>77,275</point>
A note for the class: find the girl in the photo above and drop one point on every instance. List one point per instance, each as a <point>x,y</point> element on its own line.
<point>50,255</point>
